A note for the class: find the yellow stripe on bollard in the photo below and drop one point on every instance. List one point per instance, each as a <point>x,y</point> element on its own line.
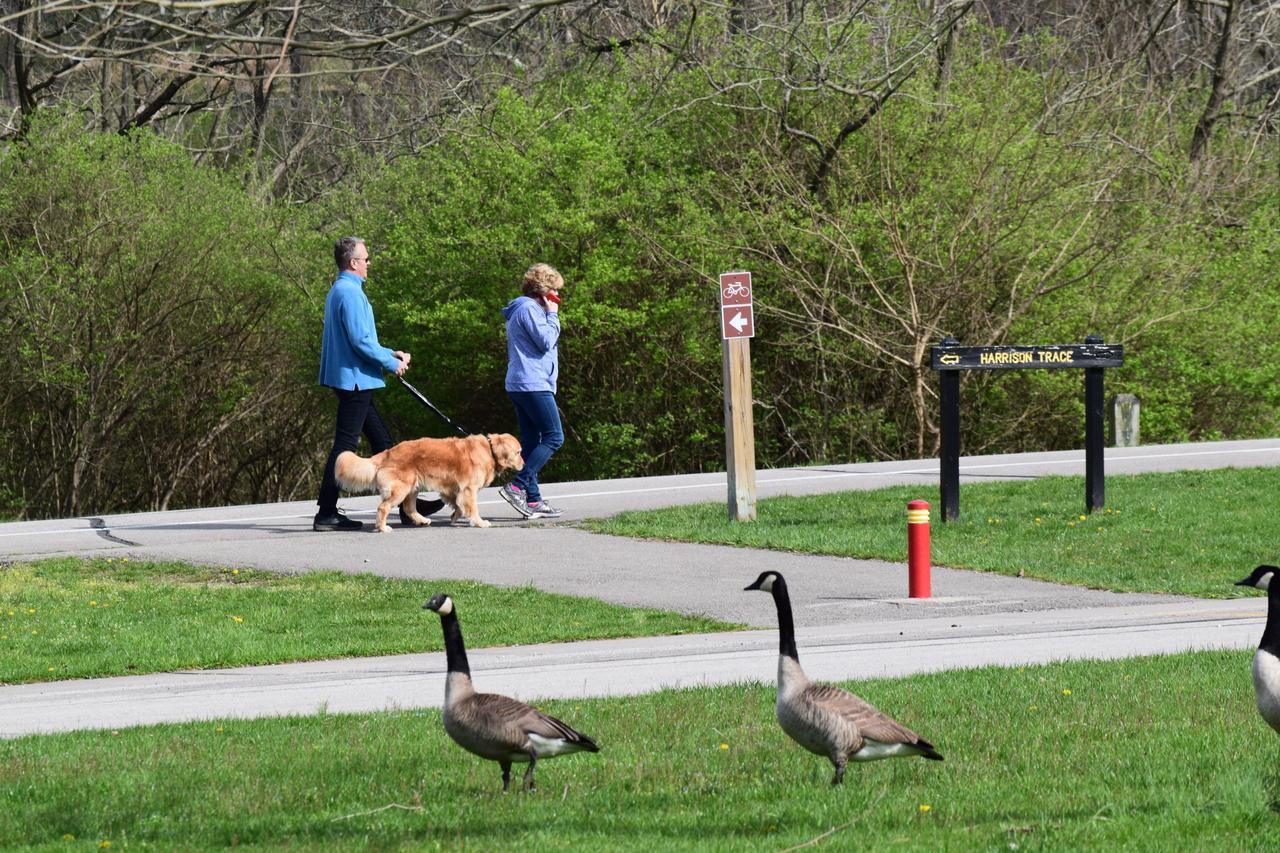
<point>917,516</point>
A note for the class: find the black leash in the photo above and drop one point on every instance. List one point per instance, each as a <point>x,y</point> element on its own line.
<point>500,477</point>
<point>463,431</point>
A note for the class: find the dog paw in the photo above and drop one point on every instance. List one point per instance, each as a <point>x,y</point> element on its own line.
<point>481,523</point>
<point>382,529</point>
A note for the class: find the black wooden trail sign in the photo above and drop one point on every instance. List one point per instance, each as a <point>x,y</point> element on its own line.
<point>950,358</point>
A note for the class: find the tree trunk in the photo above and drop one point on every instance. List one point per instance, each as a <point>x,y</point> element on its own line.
<point>1218,88</point>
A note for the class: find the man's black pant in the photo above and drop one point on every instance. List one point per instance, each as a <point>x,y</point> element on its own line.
<point>356,414</point>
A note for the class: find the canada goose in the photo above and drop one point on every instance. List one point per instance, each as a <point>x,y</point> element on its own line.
<point>1266,660</point>
<point>491,726</point>
<point>827,720</point>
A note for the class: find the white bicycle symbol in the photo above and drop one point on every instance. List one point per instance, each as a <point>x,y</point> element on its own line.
<point>737,288</point>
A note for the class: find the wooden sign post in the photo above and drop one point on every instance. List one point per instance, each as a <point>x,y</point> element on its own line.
<point>737,326</point>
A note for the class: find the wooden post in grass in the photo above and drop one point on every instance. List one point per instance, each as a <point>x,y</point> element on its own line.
<point>737,326</point>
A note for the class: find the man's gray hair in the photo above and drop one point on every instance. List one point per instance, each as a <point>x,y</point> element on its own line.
<point>344,249</point>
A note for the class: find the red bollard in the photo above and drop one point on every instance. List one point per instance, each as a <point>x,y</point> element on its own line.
<point>918,549</point>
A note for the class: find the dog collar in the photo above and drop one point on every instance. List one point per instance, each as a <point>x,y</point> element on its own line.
<point>505,476</point>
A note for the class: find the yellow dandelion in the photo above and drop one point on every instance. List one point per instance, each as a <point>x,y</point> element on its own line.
<point>104,844</point>
<point>218,729</point>
<point>1071,524</point>
<point>31,610</point>
<point>93,603</point>
<point>925,807</point>
<point>236,618</point>
<point>1034,708</point>
<point>1037,521</point>
<point>51,669</point>
<point>235,571</point>
<point>66,836</point>
<point>1084,517</point>
<point>109,560</point>
<point>1066,691</point>
<point>33,633</point>
<point>724,746</point>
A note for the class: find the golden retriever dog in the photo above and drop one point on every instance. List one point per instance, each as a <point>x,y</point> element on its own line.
<point>457,468</point>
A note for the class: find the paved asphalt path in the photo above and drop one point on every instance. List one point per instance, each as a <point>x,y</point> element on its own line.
<point>854,620</point>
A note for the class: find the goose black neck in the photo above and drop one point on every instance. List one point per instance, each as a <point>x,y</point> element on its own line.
<point>786,627</point>
<point>454,651</point>
<point>1271,633</point>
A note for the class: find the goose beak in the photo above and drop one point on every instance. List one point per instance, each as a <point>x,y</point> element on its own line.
<point>1245,582</point>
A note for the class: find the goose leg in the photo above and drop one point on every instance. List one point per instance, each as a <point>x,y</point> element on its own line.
<point>528,774</point>
<point>840,764</point>
<point>506,775</point>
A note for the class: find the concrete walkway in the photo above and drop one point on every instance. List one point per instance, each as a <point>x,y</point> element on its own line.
<point>623,667</point>
<point>854,620</point>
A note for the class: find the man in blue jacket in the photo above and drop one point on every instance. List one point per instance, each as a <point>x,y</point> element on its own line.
<point>351,363</point>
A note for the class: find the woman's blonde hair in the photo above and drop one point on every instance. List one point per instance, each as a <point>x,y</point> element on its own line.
<point>541,278</point>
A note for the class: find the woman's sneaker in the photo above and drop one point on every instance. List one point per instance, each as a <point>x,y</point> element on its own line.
<point>545,509</point>
<point>515,496</point>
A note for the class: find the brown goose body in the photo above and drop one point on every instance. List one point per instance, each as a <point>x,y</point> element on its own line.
<point>496,727</point>
<point>827,720</point>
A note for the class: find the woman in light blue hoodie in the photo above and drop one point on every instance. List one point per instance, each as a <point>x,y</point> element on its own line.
<point>533,332</point>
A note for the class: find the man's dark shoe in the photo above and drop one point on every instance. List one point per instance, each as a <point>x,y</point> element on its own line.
<point>337,521</point>
<point>425,508</point>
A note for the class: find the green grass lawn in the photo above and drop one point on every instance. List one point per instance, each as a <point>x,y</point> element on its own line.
<point>74,618</point>
<point>1191,532</point>
<point>1162,753</point>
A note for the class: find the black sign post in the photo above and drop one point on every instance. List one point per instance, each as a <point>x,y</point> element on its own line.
<point>949,358</point>
<point>949,396</point>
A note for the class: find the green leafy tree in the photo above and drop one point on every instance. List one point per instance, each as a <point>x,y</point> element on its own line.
<point>148,309</point>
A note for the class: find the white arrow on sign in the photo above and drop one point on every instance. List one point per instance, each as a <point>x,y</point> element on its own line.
<point>738,322</point>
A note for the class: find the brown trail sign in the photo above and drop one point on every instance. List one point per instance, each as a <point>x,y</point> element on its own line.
<point>737,326</point>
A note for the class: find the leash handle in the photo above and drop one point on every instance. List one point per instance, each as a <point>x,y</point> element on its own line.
<point>424,401</point>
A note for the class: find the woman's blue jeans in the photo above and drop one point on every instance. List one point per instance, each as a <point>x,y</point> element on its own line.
<point>540,436</point>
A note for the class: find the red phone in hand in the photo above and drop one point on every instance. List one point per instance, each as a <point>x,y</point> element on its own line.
<point>552,296</point>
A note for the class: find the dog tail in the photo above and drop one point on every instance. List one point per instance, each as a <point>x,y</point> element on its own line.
<point>354,473</point>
